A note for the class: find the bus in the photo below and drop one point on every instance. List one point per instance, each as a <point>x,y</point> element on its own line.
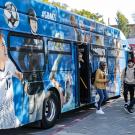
<point>47,56</point>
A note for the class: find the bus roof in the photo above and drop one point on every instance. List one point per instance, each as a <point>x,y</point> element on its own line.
<point>52,13</point>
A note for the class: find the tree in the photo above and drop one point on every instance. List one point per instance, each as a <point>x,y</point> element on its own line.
<point>83,12</point>
<point>88,14</point>
<point>57,4</point>
<point>46,1</point>
<point>122,23</point>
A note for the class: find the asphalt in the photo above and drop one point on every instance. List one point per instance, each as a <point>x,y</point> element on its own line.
<point>115,121</point>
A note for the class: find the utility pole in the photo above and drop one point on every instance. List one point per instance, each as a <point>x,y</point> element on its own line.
<point>108,21</point>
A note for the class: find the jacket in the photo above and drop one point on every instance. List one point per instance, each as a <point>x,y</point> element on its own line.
<point>100,80</point>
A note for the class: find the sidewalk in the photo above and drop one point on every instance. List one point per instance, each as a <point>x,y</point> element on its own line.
<point>115,122</point>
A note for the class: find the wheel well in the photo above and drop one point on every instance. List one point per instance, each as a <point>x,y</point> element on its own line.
<point>54,90</point>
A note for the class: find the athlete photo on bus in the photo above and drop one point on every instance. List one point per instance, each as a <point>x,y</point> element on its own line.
<point>7,71</point>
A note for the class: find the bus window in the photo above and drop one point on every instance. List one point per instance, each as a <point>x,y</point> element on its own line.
<point>117,43</point>
<point>98,51</point>
<point>97,39</point>
<point>28,55</point>
<point>108,41</point>
<point>27,51</point>
<point>95,63</point>
<point>111,61</point>
<point>64,62</point>
<point>59,56</point>
<point>59,47</point>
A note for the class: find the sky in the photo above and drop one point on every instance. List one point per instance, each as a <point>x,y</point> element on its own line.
<point>107,8</point>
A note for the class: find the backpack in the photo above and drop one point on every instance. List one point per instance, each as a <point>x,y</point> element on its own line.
<point>93,76</point>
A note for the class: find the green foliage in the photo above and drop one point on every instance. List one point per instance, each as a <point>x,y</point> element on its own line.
<point>88,14</point>
<point>122,23</point>
<point>58,4</point>
<point>83,12</point>
<point>46,1</point>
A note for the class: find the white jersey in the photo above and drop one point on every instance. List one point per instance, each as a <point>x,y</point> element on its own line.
<point>7,113</point>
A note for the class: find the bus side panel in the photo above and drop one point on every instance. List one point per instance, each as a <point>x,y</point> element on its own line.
<point>21,102</point>
<point>61,69</point>
<point>17,114</point>
<point>116,66</point>
<point>71,102</point>
<point>94,62</point>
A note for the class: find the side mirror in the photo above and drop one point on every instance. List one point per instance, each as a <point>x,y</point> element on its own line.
<point>124,46</point>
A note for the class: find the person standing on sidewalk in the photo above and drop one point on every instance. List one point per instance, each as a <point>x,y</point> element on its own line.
<point>128,77</point>
<point>100,84</point>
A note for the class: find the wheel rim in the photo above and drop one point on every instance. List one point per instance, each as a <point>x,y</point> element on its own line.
<point>50,110</point>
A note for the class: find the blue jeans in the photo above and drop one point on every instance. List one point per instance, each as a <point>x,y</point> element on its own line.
<point>103,97</point>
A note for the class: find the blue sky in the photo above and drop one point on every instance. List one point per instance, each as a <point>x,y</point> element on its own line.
<point>107,8</point>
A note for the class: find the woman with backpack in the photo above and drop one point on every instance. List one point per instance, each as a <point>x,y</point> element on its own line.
<point>100,84</point>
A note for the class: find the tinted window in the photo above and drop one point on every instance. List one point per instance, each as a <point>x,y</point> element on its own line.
<point>60,56</point>
<point>58,46</point>
<point>28,53</point>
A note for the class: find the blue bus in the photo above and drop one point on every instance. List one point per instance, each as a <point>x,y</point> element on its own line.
<point>47,56</point>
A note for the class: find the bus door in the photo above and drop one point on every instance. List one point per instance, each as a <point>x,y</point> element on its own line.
<point>84,73</point>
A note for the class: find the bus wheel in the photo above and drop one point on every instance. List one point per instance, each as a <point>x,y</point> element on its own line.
<point>50,111</point>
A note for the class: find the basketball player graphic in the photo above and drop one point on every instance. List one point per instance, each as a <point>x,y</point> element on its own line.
<point>7,71</point>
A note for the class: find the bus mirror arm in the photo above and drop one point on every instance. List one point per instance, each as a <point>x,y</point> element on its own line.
<point>124,46</point>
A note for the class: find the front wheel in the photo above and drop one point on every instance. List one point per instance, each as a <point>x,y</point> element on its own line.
<point>50,111</point>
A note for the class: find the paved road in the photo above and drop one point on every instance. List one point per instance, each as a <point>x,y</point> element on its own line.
<point>115,122</point>
<point>86,122</point>
<point>65,121</point>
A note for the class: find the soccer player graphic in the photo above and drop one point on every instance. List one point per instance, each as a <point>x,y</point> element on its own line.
<point>7,71</point>
<point>33,21</point>
<point>54,69</point>
<point>11,15</point>
<point>73,22</point>
<point>64,94</point>
<point>68,88</point>
<point>33,78</point>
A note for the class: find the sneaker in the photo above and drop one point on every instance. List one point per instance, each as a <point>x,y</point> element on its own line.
<point>126,104</point>
<point>96,104</point>
<point>128,110</point>
<point>101,109</point>
<point>99,112</point>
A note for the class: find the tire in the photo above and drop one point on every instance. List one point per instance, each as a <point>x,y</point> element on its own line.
<point>50,111</point>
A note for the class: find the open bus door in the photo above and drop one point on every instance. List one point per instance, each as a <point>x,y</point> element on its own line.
<point>84,73</point>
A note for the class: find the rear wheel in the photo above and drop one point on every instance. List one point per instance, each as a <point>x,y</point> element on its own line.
<point>50,111</point>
